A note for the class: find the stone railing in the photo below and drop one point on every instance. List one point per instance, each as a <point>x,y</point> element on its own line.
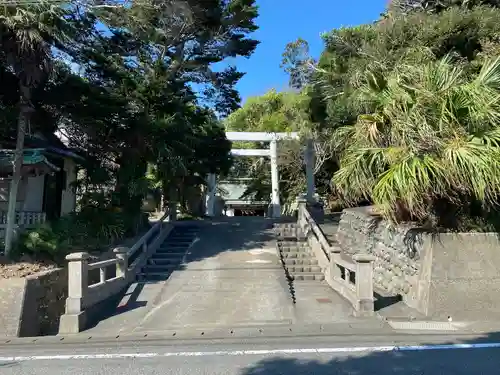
<point>24,220</point>
<point>85,295</point>
<point>351,277</point>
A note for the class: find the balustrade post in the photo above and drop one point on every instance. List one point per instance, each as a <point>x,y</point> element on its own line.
<point>74,320</point>
<point>121,254</point>
<point>302,205</point>
<point>102,275</point>
<point>334,269</point>
<point>364,284</point>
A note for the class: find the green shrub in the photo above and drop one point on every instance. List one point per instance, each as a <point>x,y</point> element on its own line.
<point>41,241</point>
<point>91,229</point>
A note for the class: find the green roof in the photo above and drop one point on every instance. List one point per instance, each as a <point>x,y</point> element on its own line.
<point>234,191</point>
<point>30,157</point>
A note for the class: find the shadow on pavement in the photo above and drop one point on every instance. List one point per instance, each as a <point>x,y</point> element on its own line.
<point>113,306</point>
<point>211,238</point>
<point>233,234</point>
<point>406,361</point>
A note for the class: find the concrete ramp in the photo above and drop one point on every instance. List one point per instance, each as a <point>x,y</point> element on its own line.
<point>229,276</point>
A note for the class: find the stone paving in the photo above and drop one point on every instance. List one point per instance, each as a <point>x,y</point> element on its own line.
<point>231,276</point>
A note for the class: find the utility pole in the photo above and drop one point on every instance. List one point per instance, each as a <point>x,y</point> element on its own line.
<point>24,112</point>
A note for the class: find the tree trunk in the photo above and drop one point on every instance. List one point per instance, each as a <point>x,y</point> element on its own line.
<point>16,175</point>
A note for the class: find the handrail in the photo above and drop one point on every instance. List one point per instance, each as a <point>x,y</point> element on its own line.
<point>312,225</point>
<point>84,293</point>
<point>148,234</point>
<point>101,264</point>
<point>351,277</point>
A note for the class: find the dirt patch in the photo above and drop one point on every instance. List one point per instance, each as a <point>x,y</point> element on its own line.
<point>28,265</point>
<point>24,267</point>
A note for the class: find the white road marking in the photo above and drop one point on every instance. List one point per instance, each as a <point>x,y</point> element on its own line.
<point>264,352</point>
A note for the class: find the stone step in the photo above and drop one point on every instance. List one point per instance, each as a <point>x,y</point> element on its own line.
<point>165,261</point>
<point>311,261</point>
<point>288,231</point>
<point>292,243</point>
<point>295,254</point>
<point>170,246</point>
<point>303,269</point>
<point>178,247</point>
<point>168,254</point>
<point>307,276</point>
<point>286,225</point>
<point>297,237</point>
<point>293,249</point>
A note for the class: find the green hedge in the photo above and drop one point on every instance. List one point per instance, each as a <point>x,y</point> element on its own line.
<point>90,230</point>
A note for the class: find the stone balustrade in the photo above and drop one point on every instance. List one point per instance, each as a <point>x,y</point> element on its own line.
<point>85,295</point>
<point>350,276</point>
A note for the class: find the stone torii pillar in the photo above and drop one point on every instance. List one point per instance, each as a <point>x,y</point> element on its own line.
<point>309,164</point>
<point>210,197</point>
<point>272,153</point>
<point>275,180</point>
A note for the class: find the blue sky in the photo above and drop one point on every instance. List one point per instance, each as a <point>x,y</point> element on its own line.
<point>282,21</point>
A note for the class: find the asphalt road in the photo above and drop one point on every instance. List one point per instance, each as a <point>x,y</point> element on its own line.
<point>323,356</point>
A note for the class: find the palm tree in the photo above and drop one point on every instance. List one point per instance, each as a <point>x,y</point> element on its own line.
<point>26,34</point>
<point>432,136</point>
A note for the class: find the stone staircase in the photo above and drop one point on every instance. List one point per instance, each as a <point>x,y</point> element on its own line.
<point>299,263</point>
<point>169,256</point>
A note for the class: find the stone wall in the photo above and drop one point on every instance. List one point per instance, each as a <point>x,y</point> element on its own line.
<point>397,249</point>
<point>51,300</point>
<point>441,275</point>
<point>32,306</point>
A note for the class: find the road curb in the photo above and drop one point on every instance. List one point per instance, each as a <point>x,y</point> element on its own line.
<point>263,332</point>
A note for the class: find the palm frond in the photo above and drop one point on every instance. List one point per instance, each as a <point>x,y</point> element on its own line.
<point>431,133</point>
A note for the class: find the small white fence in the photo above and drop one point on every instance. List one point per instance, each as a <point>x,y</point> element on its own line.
<point>24,220</point>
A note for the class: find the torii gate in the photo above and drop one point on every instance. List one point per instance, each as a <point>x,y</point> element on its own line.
<point>272,152</point>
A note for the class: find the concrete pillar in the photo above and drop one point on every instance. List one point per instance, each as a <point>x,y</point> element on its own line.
<point>335,254</point>
<point>275,195</point>
<point>122,261</point>
<point>309,164</point>
<point>210,199</point>
<point>364,284</point>
<point>74,318</point>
